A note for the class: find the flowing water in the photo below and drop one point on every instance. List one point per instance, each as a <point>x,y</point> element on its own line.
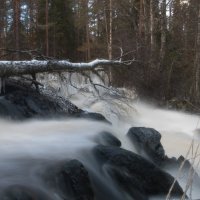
<point>27,147</point>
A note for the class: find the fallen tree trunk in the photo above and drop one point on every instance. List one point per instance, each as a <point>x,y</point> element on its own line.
<point>15,68</point>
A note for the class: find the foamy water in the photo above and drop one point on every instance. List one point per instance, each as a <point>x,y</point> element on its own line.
<point>178,129</point>
<point>28,146</point>
<point>51,139</point>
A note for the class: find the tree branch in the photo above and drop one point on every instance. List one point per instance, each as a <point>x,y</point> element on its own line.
<point>15,68</point>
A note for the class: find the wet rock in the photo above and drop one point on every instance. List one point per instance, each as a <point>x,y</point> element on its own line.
<point>147,143</point>
<point>29,105</point>
<point>173,164</point>
<point>22,101</point>
<point>107,139</point>
<point>176,163</point>
<point>92,116</point>
<point>136,175</point>
<point>70,180</point>
<point>18,192</point>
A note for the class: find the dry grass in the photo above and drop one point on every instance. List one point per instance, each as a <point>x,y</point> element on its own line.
<point>195,162</point>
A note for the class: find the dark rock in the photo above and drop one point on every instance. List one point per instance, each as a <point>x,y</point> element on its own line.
<point>92,116</point>
<point>187,164</point>
<point>147,143</point>
<point>21,101</point>
<point>29,105</point>
<point>17,192</point>
<point>70,180</point>
<point>136,175</point>
<point>174,165</point>
<point>107,139</point>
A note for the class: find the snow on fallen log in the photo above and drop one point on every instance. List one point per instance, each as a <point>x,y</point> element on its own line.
<point>14,68</point>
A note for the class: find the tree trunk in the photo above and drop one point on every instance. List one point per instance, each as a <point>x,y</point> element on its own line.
<point>197,61</point>
<point>87,31</point>
<point>16,25</point>
<point>146,30</point>
<point>16,68</point>
<point>3,25</point>
<point>163,30</point>
<point>110,32</point>
<point>110,39</point>
<point>152,27</point>
<point>141,19</point>
<point>47,27</point>
<point>88,42</point>
<point>31,24</point>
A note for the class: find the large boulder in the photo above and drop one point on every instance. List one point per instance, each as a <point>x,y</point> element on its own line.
<point>20,100</point>
<point>147,143</point>
<point>92,116</point>
<point>107,139</point>
<point>137,176</point>
<point>69,180</point>
<point>18,192</point>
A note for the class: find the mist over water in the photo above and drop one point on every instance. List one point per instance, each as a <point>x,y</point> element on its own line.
<point>178,129</point>
<point>46,139</point>
<point>26,148</point>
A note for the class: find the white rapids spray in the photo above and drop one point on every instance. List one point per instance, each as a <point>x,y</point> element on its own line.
<point>55,140</point>
<point>179,130</point>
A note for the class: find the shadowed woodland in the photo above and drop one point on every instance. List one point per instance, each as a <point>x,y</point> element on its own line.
<point>161,36</point>
<point>73,126</point>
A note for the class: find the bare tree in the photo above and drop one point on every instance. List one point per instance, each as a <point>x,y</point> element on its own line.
<point>110,37</point>
<point>141,18</point>
<point>163,30</point>
<point>152,27</point>
<point>197,59</point>
<point>88,56</point>
<point>110,30</point>
<point>47,27</point>
<point>3,25</point>
<point>16,22</point>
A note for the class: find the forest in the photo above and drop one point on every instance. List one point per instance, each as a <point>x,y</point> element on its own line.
<point>160,37</point>
<point>99,99</point>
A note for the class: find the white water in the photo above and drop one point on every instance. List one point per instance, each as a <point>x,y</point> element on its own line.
<point>49,141</point>
<point>28,148</point>
<point>179,130</point>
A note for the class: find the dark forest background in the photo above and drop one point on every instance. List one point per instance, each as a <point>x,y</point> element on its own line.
<point>162,36</point>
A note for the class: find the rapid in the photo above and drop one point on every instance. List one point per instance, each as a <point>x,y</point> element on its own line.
<point>28,148</point>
